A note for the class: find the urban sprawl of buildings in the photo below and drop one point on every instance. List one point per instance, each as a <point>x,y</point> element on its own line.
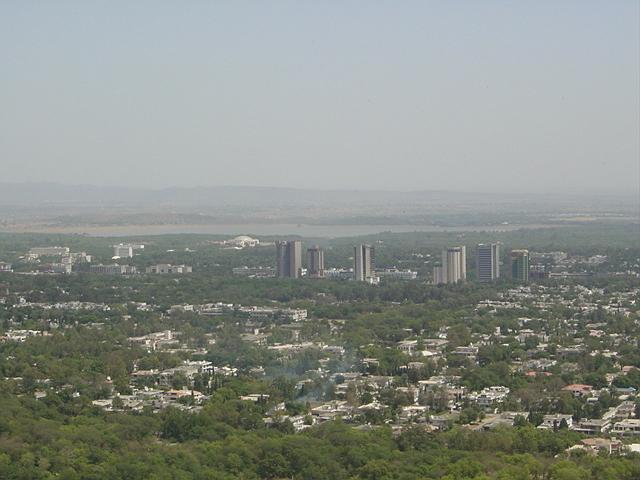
<point>423,386</point>
<point>523,266</point>
<point>559,355</point>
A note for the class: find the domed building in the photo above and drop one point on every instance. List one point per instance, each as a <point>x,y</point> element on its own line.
<point>243,241</point>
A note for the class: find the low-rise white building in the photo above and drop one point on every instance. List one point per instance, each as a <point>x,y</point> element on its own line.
<point>553,422</point>
<point>630,426</point>
<point>397,274</point>
<point>48,251</point>
<point>491,396</point>
<point>167,268</point>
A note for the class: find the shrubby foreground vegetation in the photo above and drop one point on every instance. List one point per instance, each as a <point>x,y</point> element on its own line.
<point>59,438</point>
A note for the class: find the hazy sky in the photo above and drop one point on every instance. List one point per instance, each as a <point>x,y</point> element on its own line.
<point>460,95</point>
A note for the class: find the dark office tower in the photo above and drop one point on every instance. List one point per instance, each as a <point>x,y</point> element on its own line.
<point>289,258</point>
<point>488,262</point>
<point>315,262</point>
<point>520,265</point>
<point>363,263</point>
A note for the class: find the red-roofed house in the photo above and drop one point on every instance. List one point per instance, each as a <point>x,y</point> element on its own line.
<point>578,389</point>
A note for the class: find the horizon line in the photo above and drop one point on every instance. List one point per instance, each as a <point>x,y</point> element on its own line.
<point>577,191</point>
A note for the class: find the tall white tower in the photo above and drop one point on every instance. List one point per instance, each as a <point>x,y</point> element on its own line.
<point>363,263</point>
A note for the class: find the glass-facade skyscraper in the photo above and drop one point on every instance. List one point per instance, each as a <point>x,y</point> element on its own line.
<point>520,265</point>
<point>488,262</point>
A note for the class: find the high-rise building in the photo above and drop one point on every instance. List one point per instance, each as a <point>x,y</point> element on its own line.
<point>454,264</point>
<point>437,275</point>
<point>315,262</point>
<point>488,262</point>
<point>363,263</point>
<point>289,258</point>
<point>520,265</point>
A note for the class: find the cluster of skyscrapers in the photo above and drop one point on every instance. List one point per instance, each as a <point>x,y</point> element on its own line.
<point>453,268</point>
<point>289,261</point>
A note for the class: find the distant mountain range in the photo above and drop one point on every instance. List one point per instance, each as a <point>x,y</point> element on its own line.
<point>52,194</point>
